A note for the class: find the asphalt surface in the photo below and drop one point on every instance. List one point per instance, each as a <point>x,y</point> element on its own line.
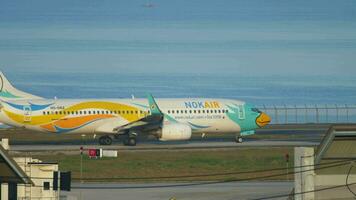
<point>167,191</point>
<point>291,135</point>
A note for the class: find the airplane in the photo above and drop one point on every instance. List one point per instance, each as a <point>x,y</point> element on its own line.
<point>168,119</point>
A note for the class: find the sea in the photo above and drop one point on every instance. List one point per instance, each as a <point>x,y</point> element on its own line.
<point>258,90</point>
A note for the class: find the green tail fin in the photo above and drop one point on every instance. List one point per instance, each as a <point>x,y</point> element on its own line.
<point>153,105</point>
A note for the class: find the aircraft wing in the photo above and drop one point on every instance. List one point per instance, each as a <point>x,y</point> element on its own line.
<point>148,123</point>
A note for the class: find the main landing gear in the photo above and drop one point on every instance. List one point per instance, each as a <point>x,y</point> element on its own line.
<point>130,141</point>
<point>238,139</point>
<point>105,140</point>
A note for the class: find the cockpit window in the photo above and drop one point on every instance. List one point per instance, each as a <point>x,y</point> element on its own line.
<point>255,110</point>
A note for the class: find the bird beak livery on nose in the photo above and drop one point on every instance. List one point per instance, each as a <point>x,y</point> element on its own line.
<point>263,119</point>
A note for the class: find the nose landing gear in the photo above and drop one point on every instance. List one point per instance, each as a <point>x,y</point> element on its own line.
<point>238,139</point>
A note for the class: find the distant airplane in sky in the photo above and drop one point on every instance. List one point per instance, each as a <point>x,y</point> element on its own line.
<point>167,119</point>
<point>149,5</point>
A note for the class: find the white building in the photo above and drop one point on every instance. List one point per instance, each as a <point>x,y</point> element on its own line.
<point>26,178</point>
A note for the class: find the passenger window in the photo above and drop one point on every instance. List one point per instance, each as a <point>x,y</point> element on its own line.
<point>44,113</point>
<point>199,111</point>
<point>186,111</point>
<point>190,111</point>
<point>136,112</point>
<point>195,111</point>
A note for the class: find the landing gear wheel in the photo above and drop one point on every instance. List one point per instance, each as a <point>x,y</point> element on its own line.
<point>130,141</point>
<point>105,140</point>
<point>238,139</point>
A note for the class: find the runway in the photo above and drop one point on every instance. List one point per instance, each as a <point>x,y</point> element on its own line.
<point>171,145</point>
<point>167,191</point>
<point>282,136</point>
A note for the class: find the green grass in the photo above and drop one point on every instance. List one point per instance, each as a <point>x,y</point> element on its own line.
<point>176,163</point>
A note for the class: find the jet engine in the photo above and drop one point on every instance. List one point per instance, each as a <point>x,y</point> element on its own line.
<point>176,131</point>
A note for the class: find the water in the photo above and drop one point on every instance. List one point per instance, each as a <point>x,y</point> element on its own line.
<point>230,49</point>
<point>259,90</point>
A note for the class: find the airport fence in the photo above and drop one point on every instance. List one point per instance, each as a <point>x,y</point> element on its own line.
<point>300,114</point>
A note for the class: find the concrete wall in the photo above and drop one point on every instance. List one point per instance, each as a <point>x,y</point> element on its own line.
<point>304,176</point>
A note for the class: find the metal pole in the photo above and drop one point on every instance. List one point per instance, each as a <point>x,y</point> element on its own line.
<point>326,113</point>
<point>296,113</point>
<point>275,113</point>
<point>317,113</point>
<point>337,113</point>
<point>286,114</point>
<point>81,164</point>
<point>347,113</point>
<point>81,168</point>
<point>306,114</point>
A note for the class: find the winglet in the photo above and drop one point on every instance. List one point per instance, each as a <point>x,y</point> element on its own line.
<point>153,105</point>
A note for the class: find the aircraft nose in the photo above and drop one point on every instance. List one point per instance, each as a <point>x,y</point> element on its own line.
<point>263,119</point>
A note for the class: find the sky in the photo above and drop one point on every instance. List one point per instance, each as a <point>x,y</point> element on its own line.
<point>217,37</point>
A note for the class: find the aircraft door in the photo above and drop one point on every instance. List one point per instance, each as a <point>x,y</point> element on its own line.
<point>241,113</point>
<point>27,113</point>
